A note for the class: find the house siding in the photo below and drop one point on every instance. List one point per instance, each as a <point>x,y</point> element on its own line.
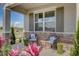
<point>69,17</point>
<point>66,23</point>
<point>31,22</point>
<point>60,19</point>
<point>26,22</point>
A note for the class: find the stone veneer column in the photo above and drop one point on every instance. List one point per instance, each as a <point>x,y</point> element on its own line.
<point>6,25</point>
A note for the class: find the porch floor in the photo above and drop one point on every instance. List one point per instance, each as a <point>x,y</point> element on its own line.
<point>47,51</point>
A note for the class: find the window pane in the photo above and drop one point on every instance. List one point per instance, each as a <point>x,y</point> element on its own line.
<point>50,21</point>
<point>38,26</point>
<point>39,17</point>
<point>36,17</point>
<point>50,26</point>
<point>50,14</point>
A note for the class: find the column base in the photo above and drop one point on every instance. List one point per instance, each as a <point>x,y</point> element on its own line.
<point>7,37</point>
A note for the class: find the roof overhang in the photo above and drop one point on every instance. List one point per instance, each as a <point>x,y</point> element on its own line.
<point>25,7</point>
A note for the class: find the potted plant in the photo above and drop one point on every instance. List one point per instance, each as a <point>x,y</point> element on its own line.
<point>13,38</point>
<point>59,48</point>
<point>25,40</point>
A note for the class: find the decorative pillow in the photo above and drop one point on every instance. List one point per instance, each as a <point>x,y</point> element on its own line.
<point>33,36</point>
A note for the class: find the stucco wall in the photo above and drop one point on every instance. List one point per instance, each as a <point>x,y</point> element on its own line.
<point>31,22</point>
<point>60,19</point>
<point>26,22</point>
<point>77,11</point>
<point>69,17</point>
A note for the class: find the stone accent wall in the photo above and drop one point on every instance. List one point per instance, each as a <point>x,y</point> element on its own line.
<point>64,38</point>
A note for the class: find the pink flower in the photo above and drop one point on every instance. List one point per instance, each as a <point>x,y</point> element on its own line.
<point>33,49</point>
<point>14,52</point>
<point>1,41</point>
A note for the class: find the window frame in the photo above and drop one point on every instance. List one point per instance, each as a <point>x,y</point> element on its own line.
<point>43,20</point>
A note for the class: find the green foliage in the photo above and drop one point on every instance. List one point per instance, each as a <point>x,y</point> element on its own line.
<point>6,49</point>
<point>1,28</point>
<point>76,41</point>
<point>25,40</point>
<point>59,48</point>
<point>13,38</point>
<point>75,51</point>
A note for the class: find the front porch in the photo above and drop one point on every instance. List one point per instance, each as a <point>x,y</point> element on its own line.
<point>61,16</point>
<point>45,19</point>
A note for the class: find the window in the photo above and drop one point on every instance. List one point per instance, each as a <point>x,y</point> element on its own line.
<point>38,26</point>
<point>45,22</point>
<point>39,22</point>
<point>50,21</point>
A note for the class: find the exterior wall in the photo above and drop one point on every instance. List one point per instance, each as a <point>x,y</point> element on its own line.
<point>69,18</point>
<point>69,15</point>
<point>45,36</point>
<point>26,22</point>
<point>31,22</point>
<point>60,19</point>
<point>77,11</point>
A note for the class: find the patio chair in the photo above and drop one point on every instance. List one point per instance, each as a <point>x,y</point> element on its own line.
<point>53,40</point>
<point>33,37</point>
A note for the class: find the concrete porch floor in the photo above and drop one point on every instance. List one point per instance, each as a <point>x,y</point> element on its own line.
<point>47,51</point>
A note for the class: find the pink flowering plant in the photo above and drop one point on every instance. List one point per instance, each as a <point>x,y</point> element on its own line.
<point>33,49</point>
<point>14,52</point>
<point>1,41</point>
<point>4,49</point>
<point>30,50</point>
<point>1,44</point>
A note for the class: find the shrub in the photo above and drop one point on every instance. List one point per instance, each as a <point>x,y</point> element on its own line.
<point>72,51</point>
<point>76,41</point>
<point>25,40</point>
<point>59,48</point>
<point>13,38</point>
<point>5,49</point>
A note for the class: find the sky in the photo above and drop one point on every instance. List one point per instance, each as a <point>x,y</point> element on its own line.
<point>1,15</point>
<point>15,17</point>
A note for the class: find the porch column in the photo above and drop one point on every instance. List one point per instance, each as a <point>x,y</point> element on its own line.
<point>77,14</point>
<point>26,22</point>
<point>6,24</point>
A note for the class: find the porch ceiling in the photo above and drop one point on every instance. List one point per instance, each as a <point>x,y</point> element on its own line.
<point>25,7</point>
<point>29,6</point>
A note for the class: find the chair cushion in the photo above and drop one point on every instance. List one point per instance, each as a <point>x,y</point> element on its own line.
<point>52,39</point>
<point>33,37</point>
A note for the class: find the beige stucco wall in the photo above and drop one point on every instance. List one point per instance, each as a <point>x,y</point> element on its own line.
<point>26,22</point>
<point>69,16</point>
<point>77,11</point>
